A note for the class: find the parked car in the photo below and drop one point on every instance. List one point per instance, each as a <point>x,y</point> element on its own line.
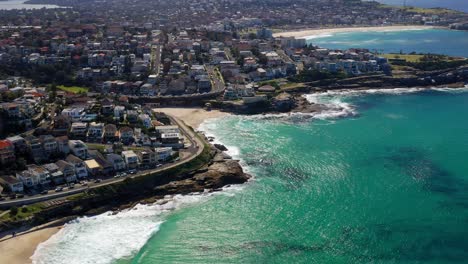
<point>97,180</point>
<point>44,192</point>
<point>58,189</point>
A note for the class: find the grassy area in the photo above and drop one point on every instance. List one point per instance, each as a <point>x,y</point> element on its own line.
<point>220,76</point>
<point>23,212</point>
<point>73,89</point>
<point>99,147</point>
<point>432,11</point>
<point>420,57</point>
<point>291,86</point>
<point>407,57</point>
<point>420,10</point>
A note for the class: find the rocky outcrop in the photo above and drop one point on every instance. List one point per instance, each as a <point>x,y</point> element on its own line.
<point>220,147</point>
<point>304,106</point>
<point>283,102</point>
<point>215,176</point>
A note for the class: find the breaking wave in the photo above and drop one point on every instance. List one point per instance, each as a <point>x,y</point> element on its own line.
<point>337,107</point>
<point>108,237</point>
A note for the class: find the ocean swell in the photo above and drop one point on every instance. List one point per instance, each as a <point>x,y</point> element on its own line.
<point>337,107</point>
<point>107,237</point>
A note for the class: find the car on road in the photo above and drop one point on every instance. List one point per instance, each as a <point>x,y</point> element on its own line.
<point>71,186</point>
<point>58,189</point>
<point>44,192</point>
<point>97,181</point>
<point>84,183</point>
<point>132,171</point>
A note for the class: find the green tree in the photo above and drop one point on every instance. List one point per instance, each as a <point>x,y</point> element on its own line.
<point>13,211</point>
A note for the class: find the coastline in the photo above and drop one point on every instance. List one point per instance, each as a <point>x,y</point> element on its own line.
<point>193,117</point>
<point>310,33</point>
<point>20,249</point>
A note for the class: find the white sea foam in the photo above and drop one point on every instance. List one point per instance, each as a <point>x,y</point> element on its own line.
<point>104,238</point>
<point>333,100</point>
<point>313,97</point>
<point>324,35</point>
<point>361,30</point>
<point>209,127</point>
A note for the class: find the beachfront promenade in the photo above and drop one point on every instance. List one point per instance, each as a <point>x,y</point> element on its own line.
<point>193,150</point>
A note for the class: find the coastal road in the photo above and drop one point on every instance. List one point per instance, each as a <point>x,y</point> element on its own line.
<point>156,59</point>
<point>194,149</point>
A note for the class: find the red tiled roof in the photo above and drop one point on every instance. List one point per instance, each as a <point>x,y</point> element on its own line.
<point>5,144</point>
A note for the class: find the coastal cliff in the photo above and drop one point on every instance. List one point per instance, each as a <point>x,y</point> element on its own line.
<point>219,174</point>
<point>211,171</point>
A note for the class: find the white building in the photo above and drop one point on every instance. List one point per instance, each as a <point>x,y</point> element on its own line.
<point>73,112</point>
<point>34,176</point>
<point>80,167</point>
<point>78,148</point>
<point>163,154</point>
<point>119,111</point>
<point>130,158</point>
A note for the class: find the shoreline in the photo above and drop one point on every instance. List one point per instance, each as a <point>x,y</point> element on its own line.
<point>20,249</point>
<point>311,33</point>
<point>192,116</point>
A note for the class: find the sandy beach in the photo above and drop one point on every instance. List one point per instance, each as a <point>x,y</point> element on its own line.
<point>18,250</point>
<point>307,33</point>
<point>192,116</point>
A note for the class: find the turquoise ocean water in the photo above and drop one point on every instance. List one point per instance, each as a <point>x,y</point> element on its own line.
<point>380,178</point>
<point>438,41</point>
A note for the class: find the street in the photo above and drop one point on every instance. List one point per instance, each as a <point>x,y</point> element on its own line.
<point>195,148</point>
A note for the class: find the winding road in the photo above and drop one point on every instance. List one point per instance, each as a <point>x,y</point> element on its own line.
<point>196,148</point>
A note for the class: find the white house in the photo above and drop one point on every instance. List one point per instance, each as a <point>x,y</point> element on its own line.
<point>80,167</point>
<point>34,176</point>
<point>163,154</point>
<point>78,148</point>
<point>119,111</point>
<point>73,112</point>
<point>130,158</point>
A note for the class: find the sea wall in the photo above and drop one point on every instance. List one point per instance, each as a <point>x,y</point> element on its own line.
<point>209,171</point>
